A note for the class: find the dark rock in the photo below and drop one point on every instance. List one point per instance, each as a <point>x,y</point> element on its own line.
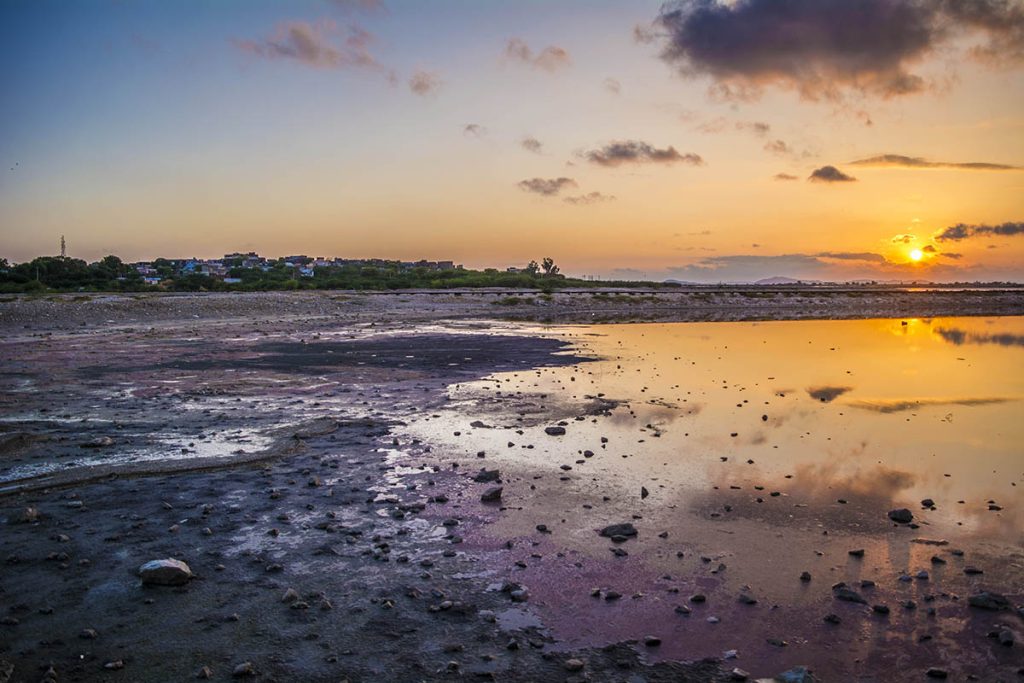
<point>624,529</point>
<point>848,595</point>
<point>486,476</point>
<point>988,601</point>
<point>491,495</point>
<point>554,431</point>
<point>901,516</point>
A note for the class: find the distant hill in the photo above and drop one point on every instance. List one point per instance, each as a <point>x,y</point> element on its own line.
<point>785,281</point>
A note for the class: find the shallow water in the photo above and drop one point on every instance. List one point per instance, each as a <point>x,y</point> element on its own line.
<point>765,449</point>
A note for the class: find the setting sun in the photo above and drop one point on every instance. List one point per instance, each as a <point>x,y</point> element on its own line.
<point>916,255</point>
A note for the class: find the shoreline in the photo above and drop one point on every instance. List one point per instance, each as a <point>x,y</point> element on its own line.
<point>75,311</point>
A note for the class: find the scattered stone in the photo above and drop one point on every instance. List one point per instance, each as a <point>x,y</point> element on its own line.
<point>847,594</point>
<point>169,572</point>
<point>574,665</point>
<point>901,516</point>
<point>244,670</point>
<point>988,601</point>
<point>554,431</point>
<point>491,495</point>
<point>624,529</point>
<point>936,672</point>
<point>486,476</point>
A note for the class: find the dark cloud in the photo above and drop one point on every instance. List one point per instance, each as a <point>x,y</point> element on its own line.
<point>777,147</point>
<point>636,152</point>
<point>532,144</point>
<point>824,48</point>
<point>829,174</point>
<point>903,239</point>
<point>550,58</point>
<point>827,394</point>
<point>899,161</point>
<point>852,256</point>
<point>474,129</point>
<point>929,249</point>
<point>961,231</point>
<point>316,45</point>
<point>546,186</point>
<point>590,198</point>
<point>785,176</point>
<point>424,83</point>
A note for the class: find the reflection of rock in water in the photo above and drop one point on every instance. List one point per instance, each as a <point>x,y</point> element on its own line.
<point>827,394</point>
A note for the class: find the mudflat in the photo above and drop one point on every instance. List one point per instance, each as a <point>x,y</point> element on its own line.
<point>428,486</point>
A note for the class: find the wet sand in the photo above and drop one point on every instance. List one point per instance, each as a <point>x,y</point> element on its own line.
<point>274,448</point>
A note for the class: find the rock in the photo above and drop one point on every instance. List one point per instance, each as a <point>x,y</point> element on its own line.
<point>936,672</point>
<point>485,476</point>
<point>115,665</point>
<point>244,670</point>
<point>204,673</point>
<point>738,674</point>
<point>290,596</point>
<point>644,492</point>
<point>88,634</point>
<point>624,529</point>
<point>859,552</point>
<point>6,671</point>
<point>901,516</point>
<point>30,515</point>
<point>98,442</point>
<point>652,641</point>
<point>927,503</point>
<point>491,495</point>
<point>848,595</point>
<point>798,674</point>
<point>805,576</point>
<point>169,572</point>
<point>1006,637</point>
<point>554,431</point>
<point>574,665</point>
<point>988,601</point>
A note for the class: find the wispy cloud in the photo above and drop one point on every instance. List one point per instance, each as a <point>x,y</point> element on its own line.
<point>367,6</point>
<point>474,130</point>
<point>551,58</point>
<point>961,231</point>
<point>318,45</point>
<point>532,144</point>
<point>824,49</point>
<point>785,176</point>
<point>548,187</point>
<point>900,161</point>
<point>637,152</point>
<point>903,405</point>
<point>590,198</point>
<point>613,86</point>
<point>829,174</point>
<point>424,83</point>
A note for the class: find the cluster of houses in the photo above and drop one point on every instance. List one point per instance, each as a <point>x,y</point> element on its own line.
<point>305,266</point>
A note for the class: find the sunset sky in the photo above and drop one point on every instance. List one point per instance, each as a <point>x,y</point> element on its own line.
<point>703,140</point>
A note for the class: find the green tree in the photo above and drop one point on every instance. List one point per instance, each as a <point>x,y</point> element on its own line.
<point>549,267</point>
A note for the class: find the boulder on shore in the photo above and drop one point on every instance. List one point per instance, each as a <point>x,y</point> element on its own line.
<point>624,529</point>
<point>169,572</point>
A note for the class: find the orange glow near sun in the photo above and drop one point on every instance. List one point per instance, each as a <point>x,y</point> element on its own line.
<point>916,255</point>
